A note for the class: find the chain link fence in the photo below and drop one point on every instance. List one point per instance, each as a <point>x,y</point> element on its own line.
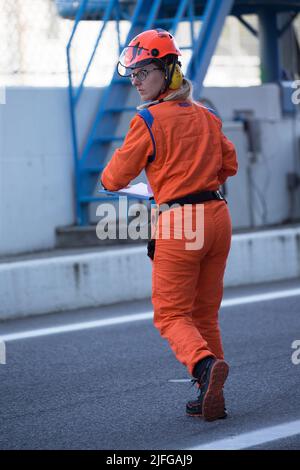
<point>33,40</point>
<point>32,43</point>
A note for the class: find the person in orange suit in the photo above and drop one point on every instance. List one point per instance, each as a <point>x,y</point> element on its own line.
<point>186,157</point>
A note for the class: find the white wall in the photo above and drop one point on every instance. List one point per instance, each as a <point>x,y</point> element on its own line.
<point>36,169</point>
<point>264,100</point>
<point>36,165</point>
<point>279,154</point>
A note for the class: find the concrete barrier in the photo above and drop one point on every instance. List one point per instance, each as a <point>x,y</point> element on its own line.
<point>57,283</point>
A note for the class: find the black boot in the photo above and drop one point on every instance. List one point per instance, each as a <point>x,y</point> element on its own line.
<point>210,375</point>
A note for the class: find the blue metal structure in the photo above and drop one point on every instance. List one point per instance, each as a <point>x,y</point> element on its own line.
<point>142,15</point>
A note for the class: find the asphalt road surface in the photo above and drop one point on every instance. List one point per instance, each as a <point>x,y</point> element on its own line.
<point>104,379</point>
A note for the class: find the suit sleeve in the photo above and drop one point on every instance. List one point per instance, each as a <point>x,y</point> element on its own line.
<point>229,159</point>
<point>129,160</point>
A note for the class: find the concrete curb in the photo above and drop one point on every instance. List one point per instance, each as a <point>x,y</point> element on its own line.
<point>52,284</point>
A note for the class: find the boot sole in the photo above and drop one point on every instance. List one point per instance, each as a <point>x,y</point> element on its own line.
<point>213,403</point>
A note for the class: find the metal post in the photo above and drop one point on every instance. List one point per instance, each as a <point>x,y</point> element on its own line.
<point>268,43</point>
<point>214,16</point>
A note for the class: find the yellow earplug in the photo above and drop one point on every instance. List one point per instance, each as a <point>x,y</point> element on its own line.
<point>177,77</point>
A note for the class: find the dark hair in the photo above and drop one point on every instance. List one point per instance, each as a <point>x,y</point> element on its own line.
<point>165,61</point>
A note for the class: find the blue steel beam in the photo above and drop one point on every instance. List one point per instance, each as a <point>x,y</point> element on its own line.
<point>153,14</point>
<point>248,26</point>
<point>95,8</point>
<point>192,19</point>
<point>79,15</point>
<point>269,47</point>
<point>107,92</point>
<point>288,24</point>
<point>214,17</point>
<point>179,14</point>
<point>106,17</point>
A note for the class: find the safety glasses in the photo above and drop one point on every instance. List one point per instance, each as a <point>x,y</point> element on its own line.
<point>141,75</point>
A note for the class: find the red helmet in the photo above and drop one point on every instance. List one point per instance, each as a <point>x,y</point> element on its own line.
<point>146,47</point>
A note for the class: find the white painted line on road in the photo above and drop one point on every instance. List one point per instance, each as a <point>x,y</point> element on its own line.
<point>77,326</point>
<point>253,438</point>
<point>179,380</point>
<point>261,297</point>
<point>139,316</point>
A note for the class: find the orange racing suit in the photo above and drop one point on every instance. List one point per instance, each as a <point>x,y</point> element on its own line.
<point>183,150</point>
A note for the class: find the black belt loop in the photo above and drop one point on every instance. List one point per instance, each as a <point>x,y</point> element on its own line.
<point>220,196</point>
